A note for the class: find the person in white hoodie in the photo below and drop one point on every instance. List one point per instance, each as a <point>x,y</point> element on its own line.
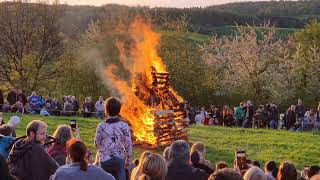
<point>100,108</point>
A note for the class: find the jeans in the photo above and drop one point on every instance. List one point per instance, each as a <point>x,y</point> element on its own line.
<point>99,114</point>
<point>116,167</point>
<point>247,123</point>
<point>273,124</point>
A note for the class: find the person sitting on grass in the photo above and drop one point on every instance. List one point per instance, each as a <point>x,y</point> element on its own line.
<point>44,111</point>
<point>113,140</point>
<point>28,159</point>
<point>79,169</point>
<point>35,102</point>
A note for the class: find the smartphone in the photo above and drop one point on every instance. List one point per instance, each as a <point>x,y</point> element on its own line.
<point>241,159</point>
<point>73,124</point>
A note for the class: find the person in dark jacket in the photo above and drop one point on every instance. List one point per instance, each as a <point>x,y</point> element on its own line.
<point>21,97</point>
<point>28,159</point>
<point>1,100</point>
<point>55,107</point>
<point>290,117</point>
<point>249,112</point>
<point>196,162</point>
<point>300,111</point>
<point>179,167</point>
<point>87,108</point>
<point>4,171</point>
<point>76,105</point>
<point>12,97</point>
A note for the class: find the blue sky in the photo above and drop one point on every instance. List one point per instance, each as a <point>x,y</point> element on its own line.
<point>154,3</point>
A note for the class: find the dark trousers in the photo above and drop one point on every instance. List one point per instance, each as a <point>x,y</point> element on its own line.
<point>116,167</point>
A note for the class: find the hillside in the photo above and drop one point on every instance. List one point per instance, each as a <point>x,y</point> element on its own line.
<point>284,14</point>
<point>260,144</point>
<point>298,9</point>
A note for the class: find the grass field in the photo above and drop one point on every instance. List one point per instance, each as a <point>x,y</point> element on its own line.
<point>263,145</point>
<point>226,31</point>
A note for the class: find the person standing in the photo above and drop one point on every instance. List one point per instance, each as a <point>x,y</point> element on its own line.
<point>239,114</point>
<point>249,111</point>
<point>300,111</point>
<point>113,141</point>
<point>290,117</point>
<point>100,108</point>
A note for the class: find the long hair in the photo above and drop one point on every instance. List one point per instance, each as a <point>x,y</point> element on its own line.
<point>77,151</point>
<point>154,167</point>
<point>62,134</point>
<point>198,146</point>
<point>271,166</point>
<point>287,171</point>
<point>138,170</point>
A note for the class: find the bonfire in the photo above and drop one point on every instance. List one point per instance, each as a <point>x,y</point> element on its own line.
<point>154,111</point>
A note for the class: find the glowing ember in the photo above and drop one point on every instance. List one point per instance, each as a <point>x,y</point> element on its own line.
<point>150,105</point>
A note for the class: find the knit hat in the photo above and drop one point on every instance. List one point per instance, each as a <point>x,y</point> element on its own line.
<point>14,120</point>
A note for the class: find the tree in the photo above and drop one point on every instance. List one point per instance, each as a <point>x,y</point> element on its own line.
<point>308,61</point>
<point>30,44</point>
<point>247,64</point>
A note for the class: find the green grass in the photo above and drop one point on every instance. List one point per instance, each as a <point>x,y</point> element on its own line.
<point>230,30</point>
<point>263,145</point>
<point>227,31</point>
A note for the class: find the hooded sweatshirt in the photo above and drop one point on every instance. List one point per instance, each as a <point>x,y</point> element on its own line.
<point>28,160</point>
<point>5,142</point>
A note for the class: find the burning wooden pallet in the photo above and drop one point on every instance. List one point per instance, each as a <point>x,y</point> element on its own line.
<point>170,122</point>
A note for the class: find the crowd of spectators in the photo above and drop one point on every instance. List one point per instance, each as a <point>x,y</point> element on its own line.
<point>19,102</point>
<point>295,118</point>
<point>64,156</point>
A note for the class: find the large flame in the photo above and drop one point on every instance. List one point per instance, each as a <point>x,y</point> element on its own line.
<point>138,61</point>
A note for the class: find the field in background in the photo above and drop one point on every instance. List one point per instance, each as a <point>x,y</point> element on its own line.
<point>226,31</point>
<point>260,144</point>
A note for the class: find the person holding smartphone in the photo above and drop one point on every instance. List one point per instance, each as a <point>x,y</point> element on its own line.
<point>100,108</point>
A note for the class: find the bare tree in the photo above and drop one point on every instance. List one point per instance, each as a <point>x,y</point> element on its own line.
<point>30,44</point>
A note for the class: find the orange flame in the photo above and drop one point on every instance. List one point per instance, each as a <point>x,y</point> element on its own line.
<point>138,61</point>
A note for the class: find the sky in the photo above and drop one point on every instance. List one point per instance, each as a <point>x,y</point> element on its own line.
<point>154,3</point>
